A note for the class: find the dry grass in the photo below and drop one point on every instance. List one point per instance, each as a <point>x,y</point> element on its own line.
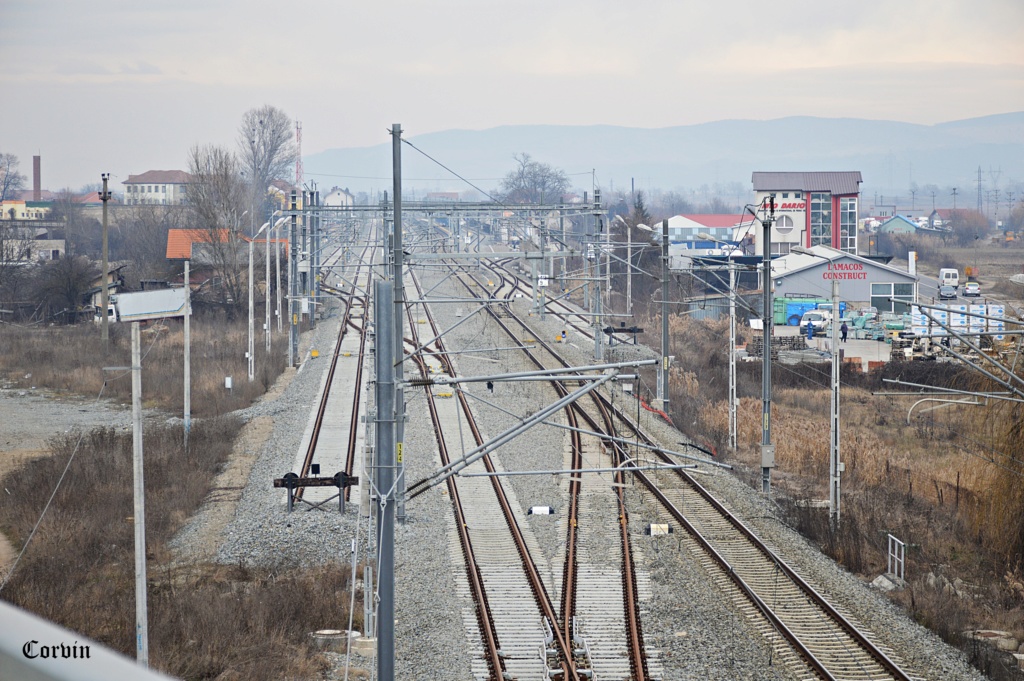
<point>71,360</point>
<point>949,484</point>
<point>204,620</point>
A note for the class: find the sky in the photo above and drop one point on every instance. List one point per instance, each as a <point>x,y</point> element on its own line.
<point>126,86</point>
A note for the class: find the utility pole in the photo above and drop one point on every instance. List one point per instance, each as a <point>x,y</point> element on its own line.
<point>293,268</point>
<point>767,449</point>
<point>629,269</point>
<point>399,312</point>
<point>188,355</point>
<point>385,470</point>
<point>314,255</point>
<point>139,517</point>
<point>104,289</point>
<point>732,354</point>
<point>835,466</point>
<point>598,329</point>
<point>664,317</point>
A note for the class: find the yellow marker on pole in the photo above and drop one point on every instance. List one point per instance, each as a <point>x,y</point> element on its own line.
<point>398,450</point>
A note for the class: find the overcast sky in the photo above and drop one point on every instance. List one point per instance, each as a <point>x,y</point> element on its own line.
<point>126,86</point>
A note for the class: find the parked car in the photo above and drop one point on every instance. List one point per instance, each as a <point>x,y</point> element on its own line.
<point>819,319</point>
<point>947,293</point>
<point>972,288</point>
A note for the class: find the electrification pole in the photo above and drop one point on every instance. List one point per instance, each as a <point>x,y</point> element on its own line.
<point>767,449</point>
<point>664,317</point>
<point>293,269</point>
<point>835,466</point>
<point>399,311</point>
<point>385,476</point>
<point>732,354</point>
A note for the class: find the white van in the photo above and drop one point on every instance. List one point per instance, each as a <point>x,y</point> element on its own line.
<point>819,319</point>
<point>949,277</point>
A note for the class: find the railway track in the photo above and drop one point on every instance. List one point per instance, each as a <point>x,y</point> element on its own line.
<point>811,635</point>
<point>592,634</point>
<point>515,617</point>
<point>341,390</point>
<point>599,611</point>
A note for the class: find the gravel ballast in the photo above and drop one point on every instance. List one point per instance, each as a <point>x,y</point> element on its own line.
<point>696,632</point>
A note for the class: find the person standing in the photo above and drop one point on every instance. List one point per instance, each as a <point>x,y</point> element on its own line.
<point>843,330</point>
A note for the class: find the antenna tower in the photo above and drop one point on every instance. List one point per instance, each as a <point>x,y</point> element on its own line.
<point>298,154</point>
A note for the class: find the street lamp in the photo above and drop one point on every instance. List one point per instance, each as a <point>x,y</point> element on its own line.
<point>732,339</point>
<point>266,260</point>
<point>835,466</point>
<point>251,354</point>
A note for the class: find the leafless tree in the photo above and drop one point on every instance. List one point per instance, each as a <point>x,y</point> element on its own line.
<point>15,243</point>
<point>533,182</point>
<point>61,286</point>
<point>267,151</point>
<point>11,181</point>
<point>82,235</point>
<point>139,235</point>
<point>217,198</point>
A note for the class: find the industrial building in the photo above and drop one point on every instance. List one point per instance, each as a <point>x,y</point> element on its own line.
<point>861,280</point>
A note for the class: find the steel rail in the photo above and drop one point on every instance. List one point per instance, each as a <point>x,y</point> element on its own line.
<point>638,658</point>
<point>888,665</point>
<point>307,461</point>
<point>543,600</point>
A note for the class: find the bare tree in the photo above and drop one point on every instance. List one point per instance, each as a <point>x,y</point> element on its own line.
<point>11,181</point>
<point>82,235</point>
<point>62,286</point>
<point>140,236</point>
<point>533,182</point>
<point>267,151</point>
<point>15,243</point>
<point>217,197</point>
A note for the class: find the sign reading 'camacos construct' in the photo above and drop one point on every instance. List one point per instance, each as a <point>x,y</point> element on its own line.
<point>844,270</point>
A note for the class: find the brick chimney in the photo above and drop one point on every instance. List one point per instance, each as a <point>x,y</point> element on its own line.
<point>37,174</point>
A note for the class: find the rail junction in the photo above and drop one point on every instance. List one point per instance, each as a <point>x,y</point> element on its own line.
<point>531,614</point>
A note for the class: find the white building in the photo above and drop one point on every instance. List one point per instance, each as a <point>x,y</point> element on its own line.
<point>157,188</point>
<point>811,209</point>
<point>340,198</point>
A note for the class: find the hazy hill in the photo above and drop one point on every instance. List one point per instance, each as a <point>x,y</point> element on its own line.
<point>890,154</point>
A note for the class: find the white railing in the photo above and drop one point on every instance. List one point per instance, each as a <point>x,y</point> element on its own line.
<point>897,557</point>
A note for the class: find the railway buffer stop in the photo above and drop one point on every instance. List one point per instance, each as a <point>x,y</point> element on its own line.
<point>611,331</point>
<point>294,482</point>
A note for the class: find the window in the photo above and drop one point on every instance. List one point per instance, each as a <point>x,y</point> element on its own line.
<point>848,224</point>
<point>785,195</point>
<point>780,247</point>
<point>163,188</point>
<point>821,219</point>
<point>881,294</point>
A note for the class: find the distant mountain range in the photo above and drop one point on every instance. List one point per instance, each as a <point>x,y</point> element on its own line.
<point>893,157</point>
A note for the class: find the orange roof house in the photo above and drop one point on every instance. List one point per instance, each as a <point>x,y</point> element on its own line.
<point>180,242</point>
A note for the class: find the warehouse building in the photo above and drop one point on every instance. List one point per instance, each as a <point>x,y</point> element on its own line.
<point>861,281</point>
